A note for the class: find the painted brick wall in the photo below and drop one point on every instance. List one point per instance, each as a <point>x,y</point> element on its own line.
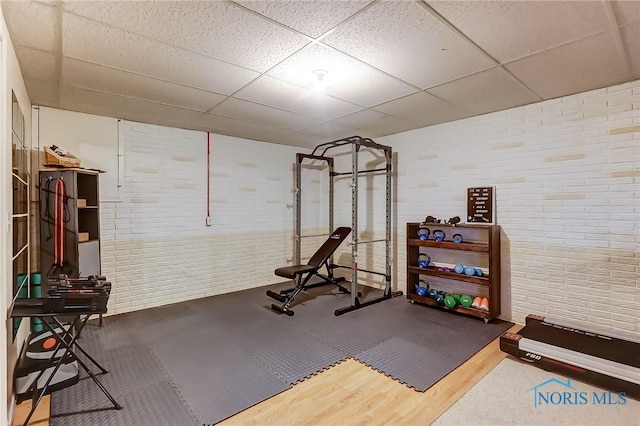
<point>567,178</point>
<point>155,246</point>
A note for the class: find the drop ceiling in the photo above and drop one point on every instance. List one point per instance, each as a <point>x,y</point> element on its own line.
<point>245,68</point>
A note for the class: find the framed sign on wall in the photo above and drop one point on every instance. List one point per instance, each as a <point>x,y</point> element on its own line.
<point>481,205</point>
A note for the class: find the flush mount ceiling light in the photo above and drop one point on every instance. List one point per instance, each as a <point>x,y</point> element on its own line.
<point>320,80</point>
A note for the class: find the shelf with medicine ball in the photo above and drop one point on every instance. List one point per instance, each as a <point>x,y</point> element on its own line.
<point>436,250</point>
<point>434,272</point>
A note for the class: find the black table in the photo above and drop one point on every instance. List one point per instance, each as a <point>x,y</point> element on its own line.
<point>66,339</point>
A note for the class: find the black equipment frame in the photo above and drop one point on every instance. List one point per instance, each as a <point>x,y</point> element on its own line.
<point>320,153</point>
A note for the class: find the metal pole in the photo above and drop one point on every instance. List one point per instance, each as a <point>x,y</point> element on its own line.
<point>330,163</point>
<point>354,223</point>
<point>388,154</point>
<point>298,213</point>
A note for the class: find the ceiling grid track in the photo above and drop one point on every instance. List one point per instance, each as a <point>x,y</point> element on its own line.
<point>462,35</point>
<point>615,28</point>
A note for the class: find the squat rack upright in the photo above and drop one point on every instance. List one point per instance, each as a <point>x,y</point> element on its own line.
<point>319,154</point>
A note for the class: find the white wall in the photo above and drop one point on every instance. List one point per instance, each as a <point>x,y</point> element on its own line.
<point>567,176</point>
<point>91,138</point>
<point>11,80</point>
<point>156,248</point>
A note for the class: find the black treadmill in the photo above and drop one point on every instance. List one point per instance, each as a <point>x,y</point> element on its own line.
<point>603,360</point>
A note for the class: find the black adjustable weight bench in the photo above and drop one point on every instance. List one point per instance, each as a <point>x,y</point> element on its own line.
<point>303,273</point>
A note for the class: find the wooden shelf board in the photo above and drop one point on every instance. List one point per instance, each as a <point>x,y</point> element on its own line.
<point>88,241</point>
<point>461,309</point>
<point>433,271</point>
<point>446,225</point>
<point>464,246</point>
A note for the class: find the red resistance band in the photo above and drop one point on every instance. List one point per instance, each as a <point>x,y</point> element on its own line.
<point>58,242</point>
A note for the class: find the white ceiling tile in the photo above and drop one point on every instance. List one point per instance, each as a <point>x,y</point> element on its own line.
<point>330,131</point>
<point>105,45</point>
<point>312,18</point>
<point>32,24</point>
<point>488,91</point>
<point>36,64</point>
<point>303,140</point>
<point>97,77</point>
<point>403,39</point>
<point>626,11</point>
<point>347,78</point>
<point>239,128</point>
<point>631,39</point>
<point>371,123</point>
<point>422,109</point>
<point>576,67</point>
<point>250,111</point>
<point>94,102</point>
<point>42,92</point>
<point>512,29</point>
<point>280,94</point>
<point>217,29</point>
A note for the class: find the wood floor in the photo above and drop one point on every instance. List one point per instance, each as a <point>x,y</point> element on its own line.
<point>349,393</point>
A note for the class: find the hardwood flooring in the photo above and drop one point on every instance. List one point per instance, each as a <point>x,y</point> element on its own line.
<point>39,418</point>
<point>349,393</point>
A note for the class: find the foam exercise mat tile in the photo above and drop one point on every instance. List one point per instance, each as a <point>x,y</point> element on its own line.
<point>462,338</point>
<point>96,339</point>
<point>216,377</point>
<point>129,368</point>
<point>157,405</point>
<point>160,327</point>
<point>290,353</point>
<point>408,363</point>
<point>351,338</point>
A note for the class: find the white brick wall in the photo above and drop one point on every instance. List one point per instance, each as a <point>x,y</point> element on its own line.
<point>156,248</point>
<point>567,175</point>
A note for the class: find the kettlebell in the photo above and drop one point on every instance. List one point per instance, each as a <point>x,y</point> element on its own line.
<point>469,270</point>
<point>439,235</point>
<point>422,288</point>
<point>478,272</point>
<point>423,233</point>
<point>459,268</point>
<point>424,260</point>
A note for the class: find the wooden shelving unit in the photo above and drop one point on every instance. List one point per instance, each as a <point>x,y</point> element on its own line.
<point>483,241</point>
<point>82,222</point>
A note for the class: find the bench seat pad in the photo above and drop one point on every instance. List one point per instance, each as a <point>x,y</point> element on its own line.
<point>293,271</point>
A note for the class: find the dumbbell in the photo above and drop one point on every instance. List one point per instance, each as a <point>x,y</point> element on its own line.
<point>450,301</point>
<point>432,293</point>
<point>466,300</point>
<point>441,296</point>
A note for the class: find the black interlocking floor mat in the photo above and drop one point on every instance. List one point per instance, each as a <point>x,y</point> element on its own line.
<point>201,361</point>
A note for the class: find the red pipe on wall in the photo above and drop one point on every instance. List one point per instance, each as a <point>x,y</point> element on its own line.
<point>208,172</point>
